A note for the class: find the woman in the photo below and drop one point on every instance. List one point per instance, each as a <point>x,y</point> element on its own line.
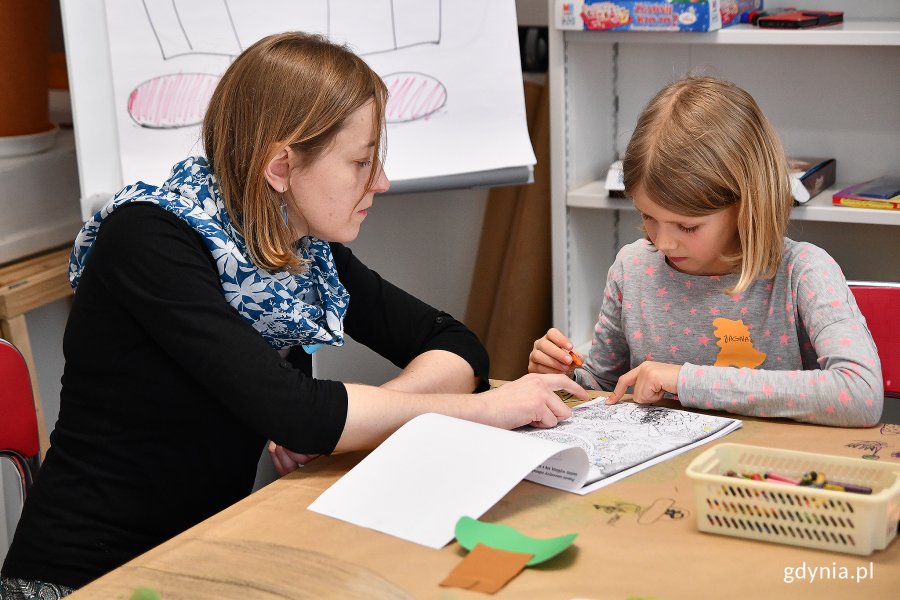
<point>197,309</point>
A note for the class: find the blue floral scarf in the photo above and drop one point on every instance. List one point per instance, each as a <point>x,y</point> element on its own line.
<point>286,309</point>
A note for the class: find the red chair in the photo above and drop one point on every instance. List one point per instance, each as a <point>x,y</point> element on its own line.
<point>880,305</point>
<point>19,440</point>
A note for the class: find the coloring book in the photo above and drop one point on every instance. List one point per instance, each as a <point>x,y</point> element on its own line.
<point>624,438</point>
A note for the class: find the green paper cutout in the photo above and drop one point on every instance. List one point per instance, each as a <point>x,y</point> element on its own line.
<point>470,532</point>
<point>145,594</point>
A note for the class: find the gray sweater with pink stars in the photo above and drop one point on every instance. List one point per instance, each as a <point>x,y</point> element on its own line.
<point>793,346</point>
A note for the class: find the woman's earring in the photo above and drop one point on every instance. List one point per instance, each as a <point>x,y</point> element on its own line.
<point>284,214</point>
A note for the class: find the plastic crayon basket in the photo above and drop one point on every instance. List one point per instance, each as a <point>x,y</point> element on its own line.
<point>792,514</point>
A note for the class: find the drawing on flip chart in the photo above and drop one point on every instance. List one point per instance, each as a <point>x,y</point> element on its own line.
<point>455,111</point>
<point>217,28</point>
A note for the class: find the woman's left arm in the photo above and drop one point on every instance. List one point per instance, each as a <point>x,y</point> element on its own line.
<point>438,354</point>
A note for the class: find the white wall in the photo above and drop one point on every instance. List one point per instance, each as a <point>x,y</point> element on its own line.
<point>424,243</point>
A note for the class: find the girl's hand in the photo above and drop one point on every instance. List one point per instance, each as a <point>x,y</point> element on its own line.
<point>650,380</point>
<point>551,354</point>
<point>529,400</point>
<point>286,461</point>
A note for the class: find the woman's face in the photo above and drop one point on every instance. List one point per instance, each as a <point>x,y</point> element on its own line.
<point>692,245</point>
<point>328,198</point>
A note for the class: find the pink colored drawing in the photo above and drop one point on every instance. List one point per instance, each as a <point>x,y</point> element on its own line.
<point>413,96</point>
<point>170,101</point>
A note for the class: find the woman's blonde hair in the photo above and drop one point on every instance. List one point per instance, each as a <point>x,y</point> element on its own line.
<point>703,145</point>
<point>293,89</point>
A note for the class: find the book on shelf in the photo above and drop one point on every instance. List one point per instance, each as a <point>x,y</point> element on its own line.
<point>882,193</point>
<point>893,204</point>
<point>809,176</point>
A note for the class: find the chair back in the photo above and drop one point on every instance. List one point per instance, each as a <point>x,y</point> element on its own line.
<point>18,424</point>
<point>880,305</point>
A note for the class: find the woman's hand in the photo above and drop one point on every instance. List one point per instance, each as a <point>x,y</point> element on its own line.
<point>529,400</point>
<point>374,413</point>
<point>650,380</point>
<point>551,354</point>
<point>286,461</point>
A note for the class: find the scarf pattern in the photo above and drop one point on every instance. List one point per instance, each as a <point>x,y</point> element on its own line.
<point>286,309</point>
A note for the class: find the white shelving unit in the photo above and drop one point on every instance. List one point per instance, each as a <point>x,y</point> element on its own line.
<point>832,91</point>
<point>820,208</point>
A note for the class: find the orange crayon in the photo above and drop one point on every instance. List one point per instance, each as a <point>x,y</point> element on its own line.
<point>577,359</point>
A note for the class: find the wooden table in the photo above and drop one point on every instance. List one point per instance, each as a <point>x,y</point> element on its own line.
<point>636,538</point>
<point>25,285</point>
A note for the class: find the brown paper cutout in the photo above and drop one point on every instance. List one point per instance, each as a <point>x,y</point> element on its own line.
<point>486,569</point>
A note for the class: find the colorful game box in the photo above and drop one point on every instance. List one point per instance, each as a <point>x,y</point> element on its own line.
<point>650,15</point>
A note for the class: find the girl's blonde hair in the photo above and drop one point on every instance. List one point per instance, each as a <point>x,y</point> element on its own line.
<point>293,89</point>
<point>703,145</point>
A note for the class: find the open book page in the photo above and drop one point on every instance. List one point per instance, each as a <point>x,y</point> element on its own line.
<point>624,438</point>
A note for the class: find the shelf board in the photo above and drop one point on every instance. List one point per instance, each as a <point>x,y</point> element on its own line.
<point>820,208</point>
<point>848,33</point>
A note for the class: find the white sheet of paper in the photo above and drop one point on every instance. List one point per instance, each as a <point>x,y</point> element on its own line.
<point>434,470</point>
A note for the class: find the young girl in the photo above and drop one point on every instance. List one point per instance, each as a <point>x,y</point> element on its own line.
<point>715,305</point>
<point>198,305</point>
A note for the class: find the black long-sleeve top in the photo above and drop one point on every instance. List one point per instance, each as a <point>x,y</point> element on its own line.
<point>169,396</point>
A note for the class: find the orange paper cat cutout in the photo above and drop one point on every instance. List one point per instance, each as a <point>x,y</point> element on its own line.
<point>736,346</point>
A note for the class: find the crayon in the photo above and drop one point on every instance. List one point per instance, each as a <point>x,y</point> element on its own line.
<point>818,480</point>
<point>577,359</point>
<point>781,478</point>
<point>846,487</point>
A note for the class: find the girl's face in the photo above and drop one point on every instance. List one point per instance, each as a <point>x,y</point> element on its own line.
<point>692,245</point>
<point>328,199</point>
